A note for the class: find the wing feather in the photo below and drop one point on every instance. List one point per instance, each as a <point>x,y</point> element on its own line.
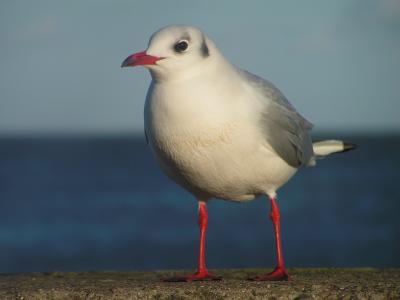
<point>284,128</point>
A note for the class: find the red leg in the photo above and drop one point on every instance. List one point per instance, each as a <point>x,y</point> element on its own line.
<point>279,273</point>
<point>202,273</point>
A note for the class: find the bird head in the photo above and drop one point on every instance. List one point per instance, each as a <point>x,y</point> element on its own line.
<point>173,50</point>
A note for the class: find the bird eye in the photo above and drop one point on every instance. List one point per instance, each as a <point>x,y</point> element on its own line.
<point>181,46</point>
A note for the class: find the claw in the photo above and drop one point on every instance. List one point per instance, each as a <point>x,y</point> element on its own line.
<point>279,274</point>
<point>199,276</point>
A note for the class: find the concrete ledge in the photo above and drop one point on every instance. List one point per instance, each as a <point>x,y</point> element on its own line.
<point>305,284</point>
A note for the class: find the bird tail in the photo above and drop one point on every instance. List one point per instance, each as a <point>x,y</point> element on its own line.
<point>324,148</point>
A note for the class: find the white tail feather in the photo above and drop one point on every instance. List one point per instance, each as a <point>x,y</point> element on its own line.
<point>324,148</point>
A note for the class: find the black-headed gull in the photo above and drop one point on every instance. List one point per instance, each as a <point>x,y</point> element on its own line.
<point>219,131</point>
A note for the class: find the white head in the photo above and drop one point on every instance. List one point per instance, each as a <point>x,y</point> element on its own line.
<point>173,50</point>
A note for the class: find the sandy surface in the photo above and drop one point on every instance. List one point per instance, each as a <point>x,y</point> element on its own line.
<point>305,284</point>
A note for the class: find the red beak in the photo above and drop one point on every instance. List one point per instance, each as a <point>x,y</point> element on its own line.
<point>140,59</point>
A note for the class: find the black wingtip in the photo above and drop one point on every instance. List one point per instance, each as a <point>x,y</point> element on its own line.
<point>348,146</point>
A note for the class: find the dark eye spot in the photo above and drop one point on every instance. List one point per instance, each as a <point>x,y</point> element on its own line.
<point>181,46</point>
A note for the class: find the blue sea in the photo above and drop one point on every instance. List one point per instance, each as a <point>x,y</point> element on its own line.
<point>101,203</point>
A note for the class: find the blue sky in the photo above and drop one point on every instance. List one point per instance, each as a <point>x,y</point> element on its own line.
<point>337,61</point>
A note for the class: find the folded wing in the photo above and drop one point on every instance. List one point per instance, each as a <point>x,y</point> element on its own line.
<point>284,128</point>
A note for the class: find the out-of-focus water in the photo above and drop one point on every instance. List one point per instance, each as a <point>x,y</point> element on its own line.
<point>102,203</point>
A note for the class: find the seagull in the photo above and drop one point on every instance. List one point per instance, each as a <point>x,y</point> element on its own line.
<point>220,131</point>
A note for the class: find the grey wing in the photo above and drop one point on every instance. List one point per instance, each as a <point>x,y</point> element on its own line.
<point>284,128</point>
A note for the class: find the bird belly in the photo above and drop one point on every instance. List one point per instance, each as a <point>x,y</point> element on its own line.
<point>221,162</point>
